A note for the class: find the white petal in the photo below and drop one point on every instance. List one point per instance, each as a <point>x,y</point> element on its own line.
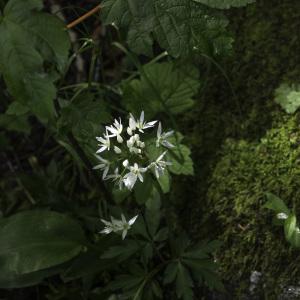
<point>125,163</point>
<point>117,150</point>
<point>107,223</point>
<point>168,134</point>
<point>156,173</point>
<point>100,166</point>
<point>124,233</point>
<point>149,124</point>
<point>123,218</point>
<point>142,117</point>
<point>158,134</point>
<point>106,230</point>
<point>161,156</point>
<point>282,216</point>
<point>167,144</point>
<point>140,177</point>
<point>103,148</point>
<point>132,220</point>
<point>105,172</point>
<point>119,139</point>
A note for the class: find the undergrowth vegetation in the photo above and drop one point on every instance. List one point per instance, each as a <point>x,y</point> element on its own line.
<point>139,146</point>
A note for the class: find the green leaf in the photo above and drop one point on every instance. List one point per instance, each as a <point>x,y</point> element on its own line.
<point>35,240</point>
<point>15,123</point>
<point>181,160</point>
<point>276,204</point>
<point>163,87</point>
<point>184,283</point>
<point>164,182</point>
<point>153,213</point>
<point>29,39</point>
<point>179,26</point>
<point>225,4</point>
<point>24,280</point>
<point>16,109</point>
<point>121,252</point>
<point>170,273</point>
<point>288,97</point>
<point>290,226</point>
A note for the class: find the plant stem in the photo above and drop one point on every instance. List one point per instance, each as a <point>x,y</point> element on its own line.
<point>83,17</point>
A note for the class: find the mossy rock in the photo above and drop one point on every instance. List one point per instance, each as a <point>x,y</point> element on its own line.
<point>236,197</point>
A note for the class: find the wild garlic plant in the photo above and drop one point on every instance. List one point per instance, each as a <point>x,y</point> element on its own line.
<point>124,151</point>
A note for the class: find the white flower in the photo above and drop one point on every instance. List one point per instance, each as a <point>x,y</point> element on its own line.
<point>282,216</point>
<point>104,143</point>
<point>162,137</point>
<point>117,150</point>
<point>130,149</point>
<point>116,130</point>
<point>118,225</point>
<point>160,165</point>
<point>134,174</point>
<point>103,166</point>
<point>135,139</point>
<point>127,225</point>
<point>139,124</point>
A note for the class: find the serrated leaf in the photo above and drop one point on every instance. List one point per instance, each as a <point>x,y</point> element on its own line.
<point>225,4</point>
<point>167,87</point>
<point>179,26</point>
<point>35,240</point>
<point>181,160</point>
<point>28,39</point>
<point>288,97</point>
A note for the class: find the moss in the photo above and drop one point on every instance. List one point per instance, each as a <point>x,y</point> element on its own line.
<point>236,196</point>
<point>244,145</point>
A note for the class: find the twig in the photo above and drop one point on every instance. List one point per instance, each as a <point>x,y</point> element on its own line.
<point>83,17</point>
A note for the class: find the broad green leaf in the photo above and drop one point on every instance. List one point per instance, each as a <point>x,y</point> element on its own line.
<point>179,26</point>
<point>15,123</point>
<point>35,240</point>
<point>18,281</point>
<point>276,204</point>
<point>16,109</point>
<point>153,212</point>
<point>166,87</point>
<point>225,4</point>
<point>29,40</point>
<point>288,97</point>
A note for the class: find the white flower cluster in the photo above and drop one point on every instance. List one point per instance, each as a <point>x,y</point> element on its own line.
<point>118,225</point>
<point>126,151</point>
